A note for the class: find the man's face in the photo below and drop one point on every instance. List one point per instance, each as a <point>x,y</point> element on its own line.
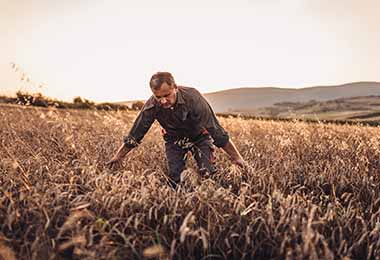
<point>166,95</point>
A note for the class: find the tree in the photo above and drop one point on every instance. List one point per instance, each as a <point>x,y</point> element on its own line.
<point>83,103</point>
<point>77,100</point>
<point>137,105</point>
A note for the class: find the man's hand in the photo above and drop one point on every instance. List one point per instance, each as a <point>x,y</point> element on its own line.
<point>114,163</point>
<point>234,154</point>
<point>117,159</point>
<point>241,163</point>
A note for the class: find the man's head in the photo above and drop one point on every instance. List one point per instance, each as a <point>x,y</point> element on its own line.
<point>164,89</point>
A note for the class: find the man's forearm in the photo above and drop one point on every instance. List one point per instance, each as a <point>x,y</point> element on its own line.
<point>231,150</point>
<point>123,151</point>
<point>119,156</point>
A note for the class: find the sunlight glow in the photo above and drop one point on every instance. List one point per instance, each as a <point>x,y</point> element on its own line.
<point>107,51</point>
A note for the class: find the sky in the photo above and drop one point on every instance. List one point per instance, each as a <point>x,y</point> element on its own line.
<point>108,50</point>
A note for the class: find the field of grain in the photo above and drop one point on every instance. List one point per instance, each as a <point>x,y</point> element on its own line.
<point>311,192</point>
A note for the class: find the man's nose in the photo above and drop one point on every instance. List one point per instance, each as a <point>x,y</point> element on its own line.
<point>163,100</point>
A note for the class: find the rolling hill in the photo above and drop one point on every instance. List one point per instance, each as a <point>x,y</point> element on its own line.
<point>364,108</point>
<point>250,99</point>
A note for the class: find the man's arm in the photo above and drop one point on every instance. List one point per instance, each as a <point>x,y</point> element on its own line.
<point>140,127</point>
<point>205,117</point>
<point>116,160</point>
<point>236,157</point>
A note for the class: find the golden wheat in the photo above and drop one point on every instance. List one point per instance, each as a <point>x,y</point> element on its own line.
<point>311,191</point>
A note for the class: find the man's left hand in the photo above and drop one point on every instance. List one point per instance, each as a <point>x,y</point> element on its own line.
<point>240,162</point>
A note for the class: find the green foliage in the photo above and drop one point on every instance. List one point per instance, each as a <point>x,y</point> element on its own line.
<point>83,103</point>
<point>111,106</point>
<point>5,100</point>
<point>37,99</point>
<point>77,100</point>
<point>137,105</point>
<point>27,99</point>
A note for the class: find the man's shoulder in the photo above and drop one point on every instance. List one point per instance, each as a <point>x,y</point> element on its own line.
<point>149,104</point>
<point>188,89</point>
<point>189,93</point>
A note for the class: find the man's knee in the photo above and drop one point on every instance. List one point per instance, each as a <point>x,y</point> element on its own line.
<point>176,162</point>
<point>176,167</point>
<point>204,155</point>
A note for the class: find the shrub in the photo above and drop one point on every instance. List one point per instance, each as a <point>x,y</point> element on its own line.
<point>137,105</point>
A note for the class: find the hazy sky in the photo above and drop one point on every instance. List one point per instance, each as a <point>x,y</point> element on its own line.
<point>107,50</point>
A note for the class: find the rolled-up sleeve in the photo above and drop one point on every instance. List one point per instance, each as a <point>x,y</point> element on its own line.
<point>141,125</point>
<point>205,117</point>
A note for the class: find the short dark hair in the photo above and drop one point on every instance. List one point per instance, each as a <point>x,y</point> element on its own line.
<point>159,78</point>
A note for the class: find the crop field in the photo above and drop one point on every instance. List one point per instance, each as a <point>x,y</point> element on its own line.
<point>311,191</point>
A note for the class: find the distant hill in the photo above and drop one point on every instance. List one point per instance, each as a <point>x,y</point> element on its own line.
<point>250,99</point>
<point>366,108</point>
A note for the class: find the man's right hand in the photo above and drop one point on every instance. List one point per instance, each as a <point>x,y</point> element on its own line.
<point>241,163</point>
<point>116,161</point>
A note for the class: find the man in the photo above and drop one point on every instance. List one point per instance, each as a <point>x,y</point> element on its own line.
<point>188,123</point>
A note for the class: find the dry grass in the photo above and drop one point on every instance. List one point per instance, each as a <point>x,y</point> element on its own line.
<point>312,192</point>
